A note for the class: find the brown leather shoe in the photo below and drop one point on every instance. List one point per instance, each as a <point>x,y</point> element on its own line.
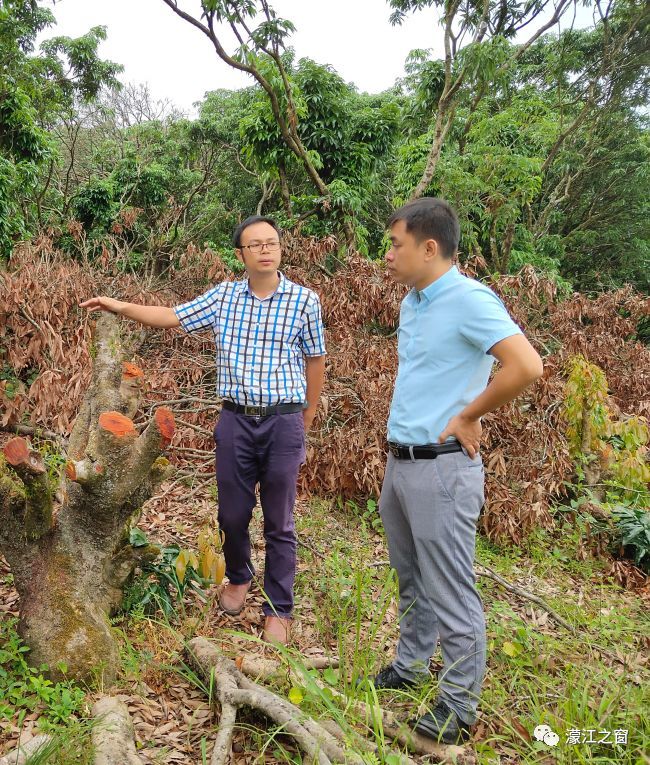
<point>232,597</point>
<point>277,629</point>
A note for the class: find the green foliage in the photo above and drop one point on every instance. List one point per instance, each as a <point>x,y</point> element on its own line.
<point>35,91</point>
<point>159,184</point>
<point>618,448</point>
<point>158,586</point>
<point>545,156</point>
<point>369,515</point>
<point>94,203</point>
<point>585,407</point>
<point>491,172</point>
<point>163,583</point>
<point>146,185</point>
<point>21,138</point>
<point>55,461</point>
<point>231,260</point>
<point>349,137</point>
<point>633,526</point>
<point>605,227</point>
<point>424,82</point>
<point>23,146</point>
<point>642,333</point>
<point>76,67</point>
<point>593,433</point>
<point>25,689</point>
<point>11,384</point>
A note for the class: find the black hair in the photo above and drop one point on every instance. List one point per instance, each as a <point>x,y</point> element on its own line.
<point>431,218</point>
<point>236,237</point>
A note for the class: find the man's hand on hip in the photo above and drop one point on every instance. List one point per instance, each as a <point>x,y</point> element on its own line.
<point>466,431</point>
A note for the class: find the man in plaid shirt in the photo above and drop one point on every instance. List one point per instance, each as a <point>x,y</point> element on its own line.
<point>270,356</point>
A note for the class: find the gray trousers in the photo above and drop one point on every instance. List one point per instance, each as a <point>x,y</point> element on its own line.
<point>429,509</point>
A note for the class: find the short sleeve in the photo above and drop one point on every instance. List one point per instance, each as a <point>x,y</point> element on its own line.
<point>200,312</point>
<point>486,320</point>
<point>313,333</point>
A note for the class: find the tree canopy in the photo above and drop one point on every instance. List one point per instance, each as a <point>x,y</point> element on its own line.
<point>536,132</point>
<point>36,90</point>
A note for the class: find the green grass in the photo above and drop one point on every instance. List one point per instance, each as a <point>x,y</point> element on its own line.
<point>592,679</point>
<point>536,675</point>
<point>71,745</point>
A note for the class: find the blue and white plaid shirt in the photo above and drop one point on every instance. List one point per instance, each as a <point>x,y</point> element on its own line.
<point>261,344</point>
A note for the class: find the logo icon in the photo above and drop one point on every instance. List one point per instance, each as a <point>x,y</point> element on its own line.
<point>546,734</point>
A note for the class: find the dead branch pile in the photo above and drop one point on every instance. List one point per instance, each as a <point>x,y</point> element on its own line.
<point>44,342</point>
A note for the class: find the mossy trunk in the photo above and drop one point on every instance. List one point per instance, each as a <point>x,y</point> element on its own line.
<point>70,563</point>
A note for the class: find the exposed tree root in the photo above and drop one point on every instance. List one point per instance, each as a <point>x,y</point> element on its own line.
<point>261,668</point>
<point>113,737</point>
<point>21,754</point>
<point>323,742</point>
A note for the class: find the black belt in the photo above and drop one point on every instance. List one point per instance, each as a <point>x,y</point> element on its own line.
<point>401,452</point>
<point>261,411</point>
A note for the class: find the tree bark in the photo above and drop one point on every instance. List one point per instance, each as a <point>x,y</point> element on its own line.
<point>70,565</point>
<point>284,187</point>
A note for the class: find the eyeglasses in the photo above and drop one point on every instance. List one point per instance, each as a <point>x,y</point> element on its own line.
<point>259,246</point>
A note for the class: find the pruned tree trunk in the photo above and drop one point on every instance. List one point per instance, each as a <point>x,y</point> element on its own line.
<point>70,564</point>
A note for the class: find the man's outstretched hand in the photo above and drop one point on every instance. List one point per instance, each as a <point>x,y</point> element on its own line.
<point>102,304</point>
<point>466,431</point>
<point>149,315</point>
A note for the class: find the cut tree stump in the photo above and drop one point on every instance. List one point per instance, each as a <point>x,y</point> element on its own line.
<point>70,568</point>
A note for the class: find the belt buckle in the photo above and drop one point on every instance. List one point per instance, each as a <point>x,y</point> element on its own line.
<point>251,411</point>
<point>394,449</point>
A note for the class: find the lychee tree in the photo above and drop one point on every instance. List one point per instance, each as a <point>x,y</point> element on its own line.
<point>71,560</point>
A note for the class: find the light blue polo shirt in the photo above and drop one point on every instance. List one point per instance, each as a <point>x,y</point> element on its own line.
<point>445,332</point>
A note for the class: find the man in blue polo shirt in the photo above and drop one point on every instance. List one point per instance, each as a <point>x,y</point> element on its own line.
<point>270,358</point>
<point>450,331</point>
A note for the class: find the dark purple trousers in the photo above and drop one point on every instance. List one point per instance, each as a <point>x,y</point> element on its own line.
<point>268,451</point>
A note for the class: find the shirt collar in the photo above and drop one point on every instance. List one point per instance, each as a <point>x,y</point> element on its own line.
<point>283,286</point>
<point>428,293</point>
